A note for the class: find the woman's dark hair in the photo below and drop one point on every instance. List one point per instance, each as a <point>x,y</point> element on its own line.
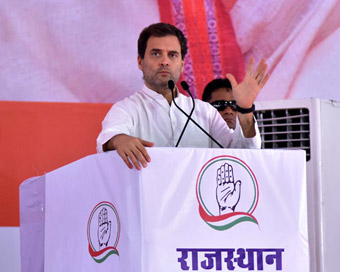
<point>213,85</point>
<point>161,30</point>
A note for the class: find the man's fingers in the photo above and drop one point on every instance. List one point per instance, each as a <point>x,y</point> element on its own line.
<point>143,150</point>
<point>125,159</point>
<point>135,156</point>
<point>146,143</point>
<point>260,74</point>
<point>263,82</point>
<point>250,67</point>
<point>132,150</point>
<point>232,80</point>
<point>142,156</point>
<point>260,71</point>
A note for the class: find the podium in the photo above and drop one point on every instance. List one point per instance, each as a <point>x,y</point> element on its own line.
<point>189,210</point>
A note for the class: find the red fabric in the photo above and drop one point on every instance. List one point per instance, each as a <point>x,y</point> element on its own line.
<point>230,52</point>
<point>196,30</point>
<point>165,11</point>
<point>197,34</point>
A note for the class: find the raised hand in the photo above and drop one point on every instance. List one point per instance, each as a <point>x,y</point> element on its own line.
<point>104,228</point>
<point>228,191</point>
<point>246,91</point>
<point>130,149</point>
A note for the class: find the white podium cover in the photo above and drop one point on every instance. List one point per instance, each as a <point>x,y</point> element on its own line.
<point>189,210</point>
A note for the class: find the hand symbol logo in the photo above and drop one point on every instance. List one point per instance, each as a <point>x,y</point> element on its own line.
<point>104,228</point>
<point>102,233</point>
<point>228,191</point>
<point>231,208</point>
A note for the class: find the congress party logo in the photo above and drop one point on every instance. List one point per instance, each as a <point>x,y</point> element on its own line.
<point>103,230</point>
<point>227,192</point>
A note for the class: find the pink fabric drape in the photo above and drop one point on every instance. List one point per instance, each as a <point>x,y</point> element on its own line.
<point>86,51</point>
<point>300,39</point>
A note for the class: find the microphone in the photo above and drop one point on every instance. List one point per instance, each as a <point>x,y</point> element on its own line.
<point>171,86</point>
<point>185,86</point>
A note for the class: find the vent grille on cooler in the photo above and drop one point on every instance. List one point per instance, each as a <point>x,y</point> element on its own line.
<point>285,129</point>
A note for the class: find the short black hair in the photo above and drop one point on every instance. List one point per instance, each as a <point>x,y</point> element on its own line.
<point>161,30</point>
<point>213,85</point>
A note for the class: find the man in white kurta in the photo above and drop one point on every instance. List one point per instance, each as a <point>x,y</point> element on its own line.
<point>148,115</point>
<point>149,118</point>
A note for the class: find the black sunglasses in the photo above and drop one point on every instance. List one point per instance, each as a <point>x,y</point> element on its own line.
<point>221,105</point>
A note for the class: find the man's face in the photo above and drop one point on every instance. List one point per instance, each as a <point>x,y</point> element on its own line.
<point>162,62</point>
<point>227,114</point>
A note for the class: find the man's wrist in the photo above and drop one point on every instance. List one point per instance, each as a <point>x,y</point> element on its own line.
<point>106,146</point>
<point>247,124</point>
<point>245,110</point>
<point>109,144</point>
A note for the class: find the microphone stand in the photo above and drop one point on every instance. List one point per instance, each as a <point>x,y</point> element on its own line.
<point>185,87</point>
<point>171,85</point>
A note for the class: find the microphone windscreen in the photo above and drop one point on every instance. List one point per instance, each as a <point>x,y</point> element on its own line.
<point>185,85</point>
<point>171,84</point>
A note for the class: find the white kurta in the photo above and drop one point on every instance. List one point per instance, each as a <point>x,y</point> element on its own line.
<point>147,115</point>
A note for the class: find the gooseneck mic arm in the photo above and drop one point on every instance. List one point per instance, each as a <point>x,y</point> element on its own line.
<point>185,86</point>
